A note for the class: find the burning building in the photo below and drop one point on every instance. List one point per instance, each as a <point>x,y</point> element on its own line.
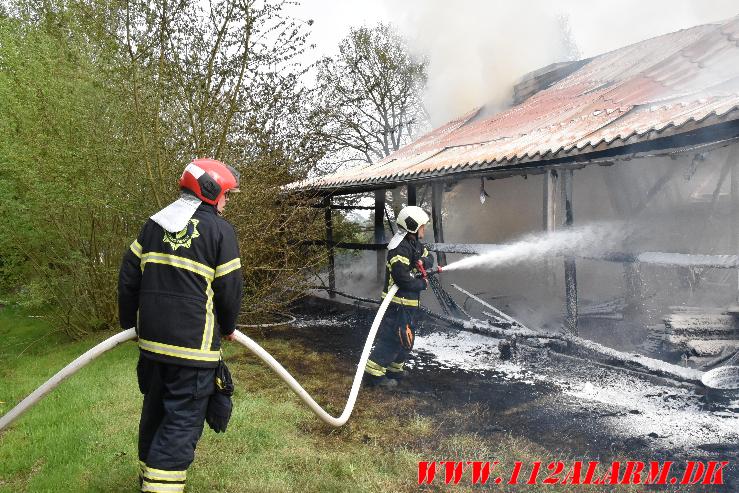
<point>644,137</point>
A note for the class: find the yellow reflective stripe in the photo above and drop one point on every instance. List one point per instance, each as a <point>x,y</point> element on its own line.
<point>425,252</point>
<point>402,301</point>
<point>228,267</point>
<point>400,258</point>
<point>374,369</point>
<point>209,319</point>
<point>136,248</point>
<point>179,262</point>
<point>395,367</point>
<point>165,474</point>
<point>179,351</point>
<point>162,487</point>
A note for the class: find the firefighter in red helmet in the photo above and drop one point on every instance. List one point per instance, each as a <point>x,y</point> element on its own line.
<point>180,286</point>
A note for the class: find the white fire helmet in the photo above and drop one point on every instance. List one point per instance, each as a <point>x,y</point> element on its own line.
<point>410,219</point>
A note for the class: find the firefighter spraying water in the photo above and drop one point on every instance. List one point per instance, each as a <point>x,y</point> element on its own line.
<point>406,256</point>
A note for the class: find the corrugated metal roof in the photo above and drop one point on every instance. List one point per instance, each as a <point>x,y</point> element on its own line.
<point>664,85</point>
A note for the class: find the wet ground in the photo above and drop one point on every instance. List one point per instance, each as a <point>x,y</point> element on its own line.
<point>572,407</point>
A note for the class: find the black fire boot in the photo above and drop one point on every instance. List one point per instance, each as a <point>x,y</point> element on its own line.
<point>387,383</point>
<point>372,381</point>
<point>397,376</point>
<point>396,372</point>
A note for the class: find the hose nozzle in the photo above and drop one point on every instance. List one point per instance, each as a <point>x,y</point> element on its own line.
<point>424,273</point>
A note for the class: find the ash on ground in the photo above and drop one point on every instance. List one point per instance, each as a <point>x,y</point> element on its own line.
<point>565,404</point>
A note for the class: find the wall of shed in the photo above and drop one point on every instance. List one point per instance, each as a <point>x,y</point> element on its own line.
<point>678,218</point>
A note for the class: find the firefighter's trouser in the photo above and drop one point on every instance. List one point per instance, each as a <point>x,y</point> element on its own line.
<point>172,417</point>
<point>392,345</point>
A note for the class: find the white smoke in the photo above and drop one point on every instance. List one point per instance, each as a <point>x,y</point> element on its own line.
<point>478,49</point>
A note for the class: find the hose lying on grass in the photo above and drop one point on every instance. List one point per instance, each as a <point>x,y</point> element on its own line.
<point>242,339</point>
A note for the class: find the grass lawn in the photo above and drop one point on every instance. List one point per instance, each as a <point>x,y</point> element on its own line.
<point>82,437</point>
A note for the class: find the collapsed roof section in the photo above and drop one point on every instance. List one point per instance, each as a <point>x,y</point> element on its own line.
<point>665,86</point>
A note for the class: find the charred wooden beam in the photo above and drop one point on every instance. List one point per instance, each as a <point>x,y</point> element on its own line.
<point>345,207</point>
<point>329,244</point>
<point>570,268</point>
<point>549,214</point>
<point>735,215</point>
<point>411,194</point>
<point>549,211</point>
<point>626,211</point>
<point>380,234</point>
<point>349,245</point>
<point>573,345</point>
<point>437,195</point>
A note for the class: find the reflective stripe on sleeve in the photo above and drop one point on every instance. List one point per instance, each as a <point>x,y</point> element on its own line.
<point>228,267</point>
<point>136,248</point>
<point>400,258</point>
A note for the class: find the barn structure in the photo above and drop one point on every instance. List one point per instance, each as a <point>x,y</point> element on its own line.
<point>648,127</point>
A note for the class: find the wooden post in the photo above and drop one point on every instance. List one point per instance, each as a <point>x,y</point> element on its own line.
<point>330,246</point>
<point>550,200</point>
<point>412,195</point>
<point>380,234</point>
<point>437,194</point>
<point>627,211</point>
<point>549,215</point>
<point>735,217</point>
<point>570,270</point>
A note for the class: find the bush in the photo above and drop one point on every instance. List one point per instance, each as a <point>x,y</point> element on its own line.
<point>102,105</point>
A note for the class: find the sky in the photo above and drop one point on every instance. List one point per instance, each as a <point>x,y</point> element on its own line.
<point>477,49</point>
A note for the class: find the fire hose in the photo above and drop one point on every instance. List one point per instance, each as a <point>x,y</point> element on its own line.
<point>242,339</point>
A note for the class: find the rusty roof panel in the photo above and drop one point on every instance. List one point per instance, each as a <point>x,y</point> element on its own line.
<point>668,83</point>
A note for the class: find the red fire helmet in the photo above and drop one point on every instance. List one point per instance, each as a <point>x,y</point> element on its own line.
<point>209,179</point>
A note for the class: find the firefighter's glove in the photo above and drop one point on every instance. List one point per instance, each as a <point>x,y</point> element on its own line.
<point>406,336</point>
<point>220,404</point>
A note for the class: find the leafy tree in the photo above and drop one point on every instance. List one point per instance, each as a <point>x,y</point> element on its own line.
<point>372,92</point>
<point>102,104</point>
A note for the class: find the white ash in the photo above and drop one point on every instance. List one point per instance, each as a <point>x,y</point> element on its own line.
<point>673,416</point>
<point>471,352</point>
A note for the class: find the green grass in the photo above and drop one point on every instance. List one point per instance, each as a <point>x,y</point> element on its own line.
<point>82,437</point>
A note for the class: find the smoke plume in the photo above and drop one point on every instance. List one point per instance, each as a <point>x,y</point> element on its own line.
<point>478,49</point>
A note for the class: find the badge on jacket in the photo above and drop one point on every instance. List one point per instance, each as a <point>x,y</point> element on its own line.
<point>183,238</point>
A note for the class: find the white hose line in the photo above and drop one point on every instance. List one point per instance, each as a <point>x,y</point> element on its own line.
<point>65,373</point>
<point>296,387</point>
<point>129,334</point>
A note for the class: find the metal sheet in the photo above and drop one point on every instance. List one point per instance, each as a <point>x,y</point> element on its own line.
<point>675,82</point>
